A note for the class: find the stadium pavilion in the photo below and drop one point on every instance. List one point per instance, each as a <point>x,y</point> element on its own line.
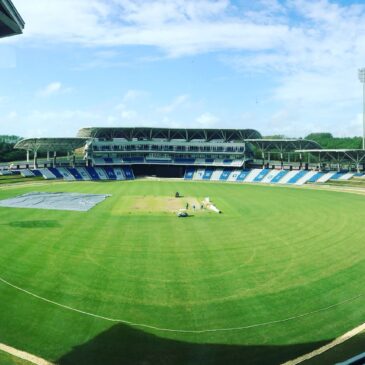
<point>241,155</point>
<point>164,146</point>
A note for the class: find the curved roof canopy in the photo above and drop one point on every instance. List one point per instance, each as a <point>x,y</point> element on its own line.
<point>51,144</point>
<point>142,133</point>
<point>11,22</point>
<point>284,145</point>
<point>338,155</point>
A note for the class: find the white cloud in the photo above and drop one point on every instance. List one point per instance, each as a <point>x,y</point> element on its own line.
<point>207,120</point>
<point>132,95</point>
<point>12,115</point>
<point>178,102</point>
<point>52,89</point>
<point>178,27</point>
<point>308,50</point>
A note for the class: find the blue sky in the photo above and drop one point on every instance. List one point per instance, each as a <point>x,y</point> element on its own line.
<point>282,67</point>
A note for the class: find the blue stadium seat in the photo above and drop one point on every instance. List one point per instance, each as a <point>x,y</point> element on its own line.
<point>110,172</point>
<point>93,174</point>
<point>185,160</point>
<point>128,172</point>
<point>108,159</point>
<point>279,176</point>
<point>243,174</point>
<point>261,175</point>
<point>37,173</point>
<point>55,172</point>
<point>298,176</point>
<point>75,173</point>
<point>315,177</point>
<point>208,173</point>
<point>337,176</point>
<point>189,173</point>
<point>225,174</point>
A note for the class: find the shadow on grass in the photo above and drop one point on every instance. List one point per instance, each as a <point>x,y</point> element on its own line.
<point>34,224</point>
<point>124,345</point>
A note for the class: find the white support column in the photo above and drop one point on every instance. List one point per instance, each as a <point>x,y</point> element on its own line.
<point>35,162</point>
<point>27,156</point>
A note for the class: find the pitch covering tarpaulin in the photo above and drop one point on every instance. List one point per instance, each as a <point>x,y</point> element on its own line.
<point>55,201</point>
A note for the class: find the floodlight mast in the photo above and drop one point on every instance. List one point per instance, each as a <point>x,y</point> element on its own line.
<point>362,80</point>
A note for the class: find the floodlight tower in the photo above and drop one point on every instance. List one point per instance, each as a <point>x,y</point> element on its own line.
<point>362,80</point>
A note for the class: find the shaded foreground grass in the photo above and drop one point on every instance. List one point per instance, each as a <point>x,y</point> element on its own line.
<point>341,353</point>
<point>274,253</point>
<point>111,346</point>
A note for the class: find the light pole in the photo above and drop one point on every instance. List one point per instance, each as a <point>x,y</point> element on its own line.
<point>362,80</point>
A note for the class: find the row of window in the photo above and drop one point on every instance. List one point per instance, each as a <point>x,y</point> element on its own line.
<point>167,156</point>
<point>168,148</point>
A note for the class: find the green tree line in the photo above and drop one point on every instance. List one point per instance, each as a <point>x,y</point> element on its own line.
<point>7,151</point>
<point>326,140</point>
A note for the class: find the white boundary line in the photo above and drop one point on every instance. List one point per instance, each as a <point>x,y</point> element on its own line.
<point>327,347</point>
<point>24,355</point>
<point>143,325</point>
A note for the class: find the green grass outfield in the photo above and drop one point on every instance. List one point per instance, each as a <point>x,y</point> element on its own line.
<point>6,359</point>
<point>275,253</point>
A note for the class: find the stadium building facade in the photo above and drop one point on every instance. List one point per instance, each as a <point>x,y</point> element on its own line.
<point>193,154</point>
<point>166,151</point>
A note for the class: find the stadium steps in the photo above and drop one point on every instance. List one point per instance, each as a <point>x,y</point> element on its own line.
<point>243,175</point>
<point>304,179</point>
<point>36,172</point>
<point>101,173</point>
<point>233,176</point>
<point>47,174</point>
<point>128,173</point>
<point>276,179</point>
<point>225,175</point>
<point>347,176</point>
<point>66,175</point>
<point>337,176</point>
<point>119,173</point>
<point>26,173</point>
<point>92,173</point>
<point>326,176</point>
<point>288,176</point>
<point>216,174</point>
<point>198,174</point>
<point>83,173</point>
<point>261,175</point>
<point>110,172</point>
<point>268,177</point>
<point>55,172</point>
<point>189,173</point>
<point>301,174</point>
<point>315,177</point>
<point>208,173</point>
<point>252,175</point>
<point>75,173</point>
